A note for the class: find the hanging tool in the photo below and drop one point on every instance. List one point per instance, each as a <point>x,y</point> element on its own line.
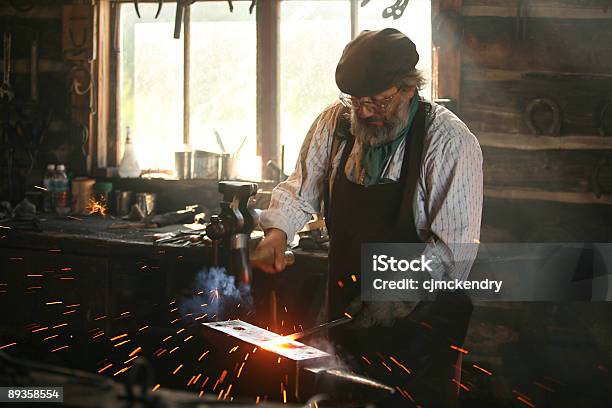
<point>160,4</point>
<point>396,10</point>
<point>5,88</point>
<point>178,18</point>
<point>34,71</point>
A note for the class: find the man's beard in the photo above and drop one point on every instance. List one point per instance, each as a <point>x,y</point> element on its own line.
<point>380,135</point>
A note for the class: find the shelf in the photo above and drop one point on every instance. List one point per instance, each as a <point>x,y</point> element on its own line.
<point>543,195</point>
<point>520,141</point>
<point>542,9</point>
<point>492,75</point>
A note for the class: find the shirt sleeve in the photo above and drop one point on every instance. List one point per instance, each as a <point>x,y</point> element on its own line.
<point>454,206</point>
<point>294,200</point>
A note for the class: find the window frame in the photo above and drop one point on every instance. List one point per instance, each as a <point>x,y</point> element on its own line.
<point>267,21</point>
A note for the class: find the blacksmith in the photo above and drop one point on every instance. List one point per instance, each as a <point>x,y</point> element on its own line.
<point>389,166</point>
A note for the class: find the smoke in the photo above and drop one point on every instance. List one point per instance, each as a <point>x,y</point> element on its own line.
<point>338,360</point>
<point>216,297</point>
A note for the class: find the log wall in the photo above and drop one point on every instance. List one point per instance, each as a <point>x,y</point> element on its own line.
<point>515,52</point>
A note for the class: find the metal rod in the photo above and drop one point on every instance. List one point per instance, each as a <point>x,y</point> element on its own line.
<point>318,328</point>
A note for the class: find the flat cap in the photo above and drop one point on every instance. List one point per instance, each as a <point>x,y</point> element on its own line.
<point>373,60</point>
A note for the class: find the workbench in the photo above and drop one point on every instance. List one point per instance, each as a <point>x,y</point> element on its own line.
<point>122,282</point>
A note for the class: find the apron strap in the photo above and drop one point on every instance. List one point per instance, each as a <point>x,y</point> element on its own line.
<point>411,165</point>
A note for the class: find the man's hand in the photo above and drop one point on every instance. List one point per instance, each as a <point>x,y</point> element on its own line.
<point>273,248</point>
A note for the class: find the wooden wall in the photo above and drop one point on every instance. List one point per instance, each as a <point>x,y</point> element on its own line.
<point>46,126</point>
<point>513,52</point>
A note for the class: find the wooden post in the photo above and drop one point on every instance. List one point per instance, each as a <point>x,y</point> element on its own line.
<point>102,96</point>
<point>268,26</point>
<point>186,72</point>
<point>447,50</point>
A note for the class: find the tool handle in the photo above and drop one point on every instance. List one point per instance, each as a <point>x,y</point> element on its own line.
<point>267,256</point>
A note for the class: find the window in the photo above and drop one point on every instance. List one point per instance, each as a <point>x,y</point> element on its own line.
<point>221,82</point>
<point>151,84</point>
<point>222,76</point>
<point>313,35</point>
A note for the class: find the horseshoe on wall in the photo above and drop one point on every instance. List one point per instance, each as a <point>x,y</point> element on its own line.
<point>555,126</point>
<point>601,118</point>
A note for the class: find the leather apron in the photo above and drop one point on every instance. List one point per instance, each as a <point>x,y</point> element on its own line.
<point>384,213</point>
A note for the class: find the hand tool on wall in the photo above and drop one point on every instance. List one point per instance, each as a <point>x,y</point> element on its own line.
<point>160,4</point>
<point>5,89</point>
<point>34,70</point>
<point>178,18</point>
<point>396,10</point>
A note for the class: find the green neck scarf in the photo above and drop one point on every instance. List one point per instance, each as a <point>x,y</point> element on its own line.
<point>376,157</point>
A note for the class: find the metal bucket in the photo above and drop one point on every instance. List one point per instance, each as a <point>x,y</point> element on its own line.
<point>206,165</point>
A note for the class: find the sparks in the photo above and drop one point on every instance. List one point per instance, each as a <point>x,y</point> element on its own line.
<point>459,349</point>
<point>59,348</point>
<point>203,354</point>
<point>526,402</point>
<point>465,387</point>
<point>7,346</point>
<point>482,369</point>
<point>96,207</point>
<point>40,329</point>
<point>100,371</point>
<point>136,350</point>
<point>240,370</point>
<point>123,370</point>
<point>122,343</point>
<point>399,364</point>
<point>156,387</point>
<point>177,369</point>
<point>354,278</point>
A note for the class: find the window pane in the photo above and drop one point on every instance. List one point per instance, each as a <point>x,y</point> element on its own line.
<point>313,35</point>
<point>151,84</point>
<point>223,81</point>
<point>415,23</point>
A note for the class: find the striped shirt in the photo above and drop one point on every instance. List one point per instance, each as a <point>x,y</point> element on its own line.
<point>448,200</point>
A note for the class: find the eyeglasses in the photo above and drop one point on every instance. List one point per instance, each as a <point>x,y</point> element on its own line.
<point>378,106</point>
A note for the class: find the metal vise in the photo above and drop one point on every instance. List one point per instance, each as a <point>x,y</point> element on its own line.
<point>232,229</point>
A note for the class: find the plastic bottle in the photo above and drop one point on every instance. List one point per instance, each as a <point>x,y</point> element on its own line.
<point>129,164</point>
<point>60,190</point>
<point>48,202</point>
